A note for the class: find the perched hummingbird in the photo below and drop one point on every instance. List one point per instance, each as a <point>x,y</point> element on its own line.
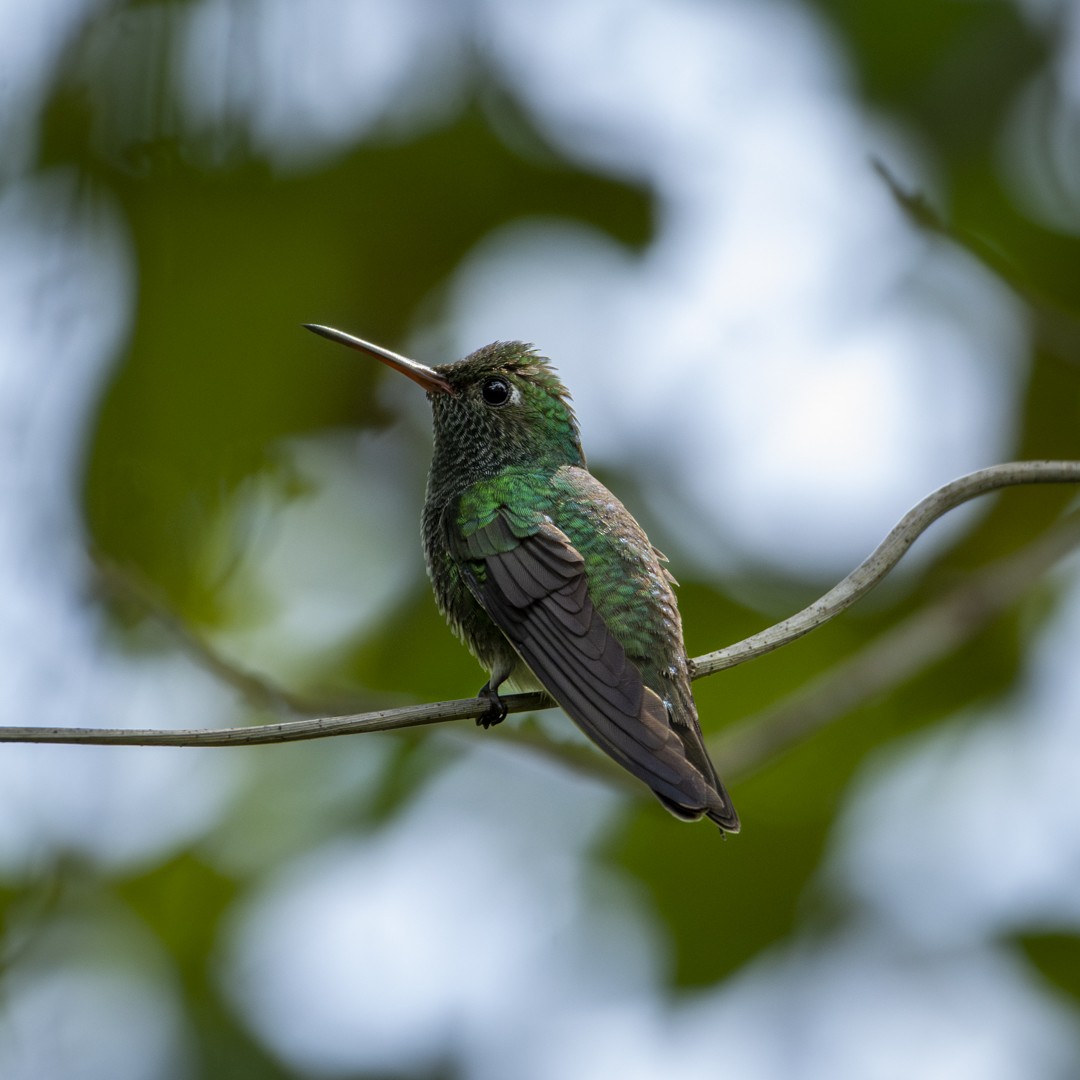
<point>545,575</point>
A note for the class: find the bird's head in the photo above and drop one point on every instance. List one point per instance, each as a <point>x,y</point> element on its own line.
<point>502,406</point>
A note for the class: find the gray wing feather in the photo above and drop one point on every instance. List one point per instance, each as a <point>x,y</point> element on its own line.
<point>535,590</point>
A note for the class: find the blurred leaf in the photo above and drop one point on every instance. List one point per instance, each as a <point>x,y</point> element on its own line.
<point>1057,957</point>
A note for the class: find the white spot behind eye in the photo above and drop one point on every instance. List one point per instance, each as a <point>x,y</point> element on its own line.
<point>515,395</point>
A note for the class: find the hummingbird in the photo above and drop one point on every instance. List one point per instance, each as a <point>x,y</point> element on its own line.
<point>546,576</point>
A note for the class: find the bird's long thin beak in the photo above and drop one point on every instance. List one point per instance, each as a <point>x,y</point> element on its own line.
<point>427,377</point>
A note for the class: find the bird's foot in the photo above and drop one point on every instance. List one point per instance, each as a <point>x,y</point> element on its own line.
<point>496,710</point>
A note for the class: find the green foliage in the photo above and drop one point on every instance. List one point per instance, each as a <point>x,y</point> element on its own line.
<point>1057,957</point>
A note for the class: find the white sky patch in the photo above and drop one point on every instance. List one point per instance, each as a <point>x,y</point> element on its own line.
<point>89,998</point>
<point>382,955</point>
<point>89,1023</point>
<point>641,80</point>
<point>308,79</point>
<point>858,1007</point>
<point>974,830</point>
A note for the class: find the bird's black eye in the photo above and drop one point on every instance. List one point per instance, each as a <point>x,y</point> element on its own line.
<point>496,390</point>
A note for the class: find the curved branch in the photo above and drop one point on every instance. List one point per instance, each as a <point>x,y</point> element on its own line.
<point>836,600</point>
<point>895,656</point>
<point>885,556</point>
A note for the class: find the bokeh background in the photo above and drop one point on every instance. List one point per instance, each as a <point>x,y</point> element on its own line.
<point>775,346</point>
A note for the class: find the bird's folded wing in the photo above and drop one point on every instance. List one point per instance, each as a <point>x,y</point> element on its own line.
<point>535,589</point>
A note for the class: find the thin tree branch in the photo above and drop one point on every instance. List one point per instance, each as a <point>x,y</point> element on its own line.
<point>842,596</point>
<point>887,554</point>
<point>289,731</point>
<point>895,656</point>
